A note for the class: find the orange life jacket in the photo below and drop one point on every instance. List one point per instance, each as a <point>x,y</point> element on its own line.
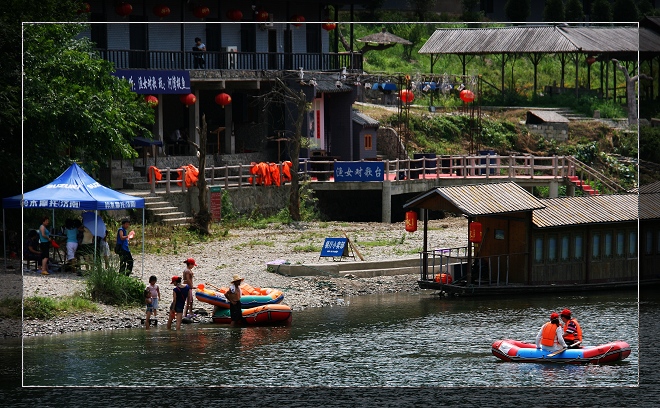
<point>156,172</point>
<point>549,334</point>
<point>572,336</point>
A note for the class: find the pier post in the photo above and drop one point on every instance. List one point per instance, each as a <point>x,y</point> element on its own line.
<point>386,200</point>
<point>553,190</point>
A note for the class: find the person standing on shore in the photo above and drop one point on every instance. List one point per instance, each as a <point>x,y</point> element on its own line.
<point>188,276</point>
<point>180,295</point>
<point>233,294</point>
<point>154,295</point>
<point>125,257</point>
<point>44,244</point>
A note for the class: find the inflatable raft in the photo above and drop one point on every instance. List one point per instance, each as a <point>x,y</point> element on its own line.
<point>250,297</point>
<point>521,352</point>
<point>261,315</point>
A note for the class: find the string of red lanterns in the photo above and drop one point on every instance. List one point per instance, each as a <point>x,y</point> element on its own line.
<point>298,20</point>
<point>151,100</point>
<point>406,96</point>
<point>466,95</point>
<point>328,26</point>
<point>124,9</point>
<point>188,99</point>
<point>223,99</point>
<point>262,15</point>
<point>235,15</point>
<point>161,11</point>
<point>201,11</point>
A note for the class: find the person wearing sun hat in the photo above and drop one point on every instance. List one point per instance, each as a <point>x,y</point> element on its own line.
<point>233,294</point>
<point>550,336</point>
<point>572,330</point>
<point>188,280</point>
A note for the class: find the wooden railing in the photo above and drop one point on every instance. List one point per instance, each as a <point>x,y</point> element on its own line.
<point>491,270</point>
<point>165,60</point>
<point>589,175</point>
<point>482,166</point>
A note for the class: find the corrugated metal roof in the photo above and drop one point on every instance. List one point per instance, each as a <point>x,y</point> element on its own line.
<point>549,116</point>
<point>649,40</point>
<point>482,199</point>
<point>649,188</point>
<point>327,85</point>
<point>384,38</point>
<point>564,211</point>
<point>364,120</point>
<point>603,39</point>
<point>529,39</point>
<point>649,206</point>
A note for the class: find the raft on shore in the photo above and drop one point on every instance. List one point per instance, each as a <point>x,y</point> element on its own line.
<point>274,314</point>
<point>250,296</point>
<point>521,352</point>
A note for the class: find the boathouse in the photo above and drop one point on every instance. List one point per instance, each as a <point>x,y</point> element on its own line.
<point>524,240</point>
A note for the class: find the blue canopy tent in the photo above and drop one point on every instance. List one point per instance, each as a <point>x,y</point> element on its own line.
<point>75,190</point>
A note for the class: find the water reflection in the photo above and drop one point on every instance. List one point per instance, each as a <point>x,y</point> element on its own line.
<point>383,340</point>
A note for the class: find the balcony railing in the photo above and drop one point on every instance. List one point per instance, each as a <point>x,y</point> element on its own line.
<point>164,60</point>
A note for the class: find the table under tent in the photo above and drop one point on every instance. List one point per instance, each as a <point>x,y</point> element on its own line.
<point>75,190</point>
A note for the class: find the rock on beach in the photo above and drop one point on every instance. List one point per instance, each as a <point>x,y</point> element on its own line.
<point>245,252</point>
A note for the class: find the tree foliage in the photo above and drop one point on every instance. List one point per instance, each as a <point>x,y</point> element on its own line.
<point>74,110</point>
<point>625,11</point>
<point>601,11</point>
<point>517,10</point>
<point>553,11</point>
<point>574,11</point>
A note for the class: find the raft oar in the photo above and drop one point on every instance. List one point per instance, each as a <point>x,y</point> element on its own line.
<point>574,345</point>
<point>213,286</point>
<point>554,353</point>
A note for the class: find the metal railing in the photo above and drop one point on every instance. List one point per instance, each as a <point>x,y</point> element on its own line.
<point>165,60</point>
<point>478,167</point>
<point>487,270</point>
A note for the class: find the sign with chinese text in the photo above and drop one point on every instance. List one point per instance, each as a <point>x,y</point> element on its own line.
<point>147,81</point>
<point>359,171</point>
<point>334,247</point>
<point>216,202</point>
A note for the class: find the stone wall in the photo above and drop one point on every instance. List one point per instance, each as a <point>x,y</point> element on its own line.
<point>556,131</point>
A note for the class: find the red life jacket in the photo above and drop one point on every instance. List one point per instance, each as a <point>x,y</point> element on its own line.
<point>549,334</point>
<point>570,335</point>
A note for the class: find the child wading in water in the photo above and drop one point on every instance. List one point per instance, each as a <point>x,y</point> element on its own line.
<point>188,280</point>
<point>153,293</point>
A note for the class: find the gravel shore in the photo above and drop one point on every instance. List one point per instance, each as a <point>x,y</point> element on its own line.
<point>246,252</point>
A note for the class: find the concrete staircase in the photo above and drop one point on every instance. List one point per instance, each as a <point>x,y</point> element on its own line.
<point>160,209</point>
<point>134,180</point>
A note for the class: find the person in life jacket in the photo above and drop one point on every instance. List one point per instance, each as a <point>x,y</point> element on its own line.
<point>572,329</point>
<point>550,337</point>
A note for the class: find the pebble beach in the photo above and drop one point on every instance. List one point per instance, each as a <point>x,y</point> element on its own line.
<point>247,251</point>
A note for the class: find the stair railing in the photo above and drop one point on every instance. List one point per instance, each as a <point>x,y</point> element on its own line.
<point>589,174</point>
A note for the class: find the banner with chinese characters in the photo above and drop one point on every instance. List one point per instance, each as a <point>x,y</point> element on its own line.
<point>359,171</point>
<point>147,81</point>
<point>334,247</point>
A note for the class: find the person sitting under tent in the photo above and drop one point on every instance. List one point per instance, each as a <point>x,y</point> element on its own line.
<point>31,251</point>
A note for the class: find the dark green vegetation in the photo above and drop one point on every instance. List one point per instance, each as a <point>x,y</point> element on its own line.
<point>107,285</point>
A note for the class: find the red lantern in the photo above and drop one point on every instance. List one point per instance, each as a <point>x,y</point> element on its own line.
<point>162,11</point>
<point>298,20</point>
<point>411,221</point>
<point>328,26</point>
<point>223,99</point>
<point>466,95</point>
<point>85,8</point>
<point>235,15</point>
<point>201,11</point>
<point>151,100</point>
<point>124,9</point>
<point>262,15</point>
<point>406,96</point>
<point>188,99</point>
<point>475,232</point>
<point>591,59</point>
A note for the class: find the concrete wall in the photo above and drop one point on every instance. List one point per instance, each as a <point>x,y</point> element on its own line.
<point>556,131</point>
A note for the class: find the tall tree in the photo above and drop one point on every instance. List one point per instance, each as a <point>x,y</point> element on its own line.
<point>553,11</point>
<point>74,109</point>
<point>517,10</point>
<point>625,11</point>
<point>574,11</point>
<point>601,11</point>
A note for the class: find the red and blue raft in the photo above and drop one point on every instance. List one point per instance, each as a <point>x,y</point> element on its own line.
<point>521,352</point>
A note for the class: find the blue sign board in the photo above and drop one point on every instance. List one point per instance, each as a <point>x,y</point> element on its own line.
<point>147,81</point>
<point>334,247</point>
<point>359,171</point>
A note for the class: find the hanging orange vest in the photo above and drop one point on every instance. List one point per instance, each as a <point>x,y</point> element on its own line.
<point>549,334</point>
<point>286,170</point>
<point>572,336</point>
<point>157,174</point>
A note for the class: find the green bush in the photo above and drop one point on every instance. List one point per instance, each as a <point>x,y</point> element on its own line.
<point>38,307</point>
<point>107,285</point>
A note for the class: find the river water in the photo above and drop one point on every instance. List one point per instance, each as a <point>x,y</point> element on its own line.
<point>399,340</point>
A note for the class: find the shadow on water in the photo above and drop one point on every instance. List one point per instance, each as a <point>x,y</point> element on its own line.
<point>416,339</point>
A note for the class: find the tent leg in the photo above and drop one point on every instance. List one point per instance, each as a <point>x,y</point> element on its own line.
<point>142,273</point>
<point>96,232</point>
<point>4,240</point>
